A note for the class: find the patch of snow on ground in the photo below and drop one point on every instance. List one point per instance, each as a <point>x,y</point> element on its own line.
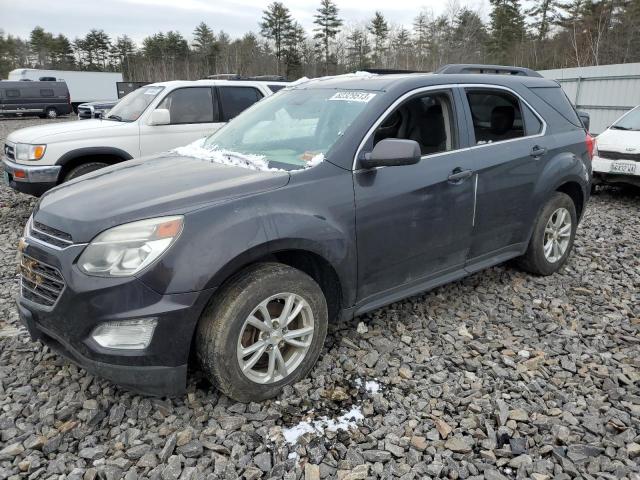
<point>370,386</point>
<point>324,424</point>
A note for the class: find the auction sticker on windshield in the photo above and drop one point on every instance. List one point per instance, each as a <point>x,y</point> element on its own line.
<point>623,167</point>
<point>353,96</point>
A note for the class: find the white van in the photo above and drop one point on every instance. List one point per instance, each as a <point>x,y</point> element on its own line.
<point>152,119</point>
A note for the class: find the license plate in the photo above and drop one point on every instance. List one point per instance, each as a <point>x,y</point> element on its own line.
<point>623,167</point>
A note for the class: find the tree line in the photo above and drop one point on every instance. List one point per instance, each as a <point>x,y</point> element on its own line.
<point>546,34</point>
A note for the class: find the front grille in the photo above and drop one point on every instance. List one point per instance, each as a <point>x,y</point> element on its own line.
<point>9,151</point>
<point>635,157</point>
<point>40,283</point>
<point>50,235</point>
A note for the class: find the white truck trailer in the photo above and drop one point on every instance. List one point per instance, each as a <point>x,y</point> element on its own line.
<point>83,86</point>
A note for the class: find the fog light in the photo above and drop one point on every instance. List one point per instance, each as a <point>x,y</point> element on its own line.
<point>125,334</point>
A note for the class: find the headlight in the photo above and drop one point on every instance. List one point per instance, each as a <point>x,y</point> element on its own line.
<point>127,249</point>
<point>24,151</point>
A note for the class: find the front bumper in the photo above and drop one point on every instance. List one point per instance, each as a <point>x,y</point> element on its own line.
<point>86,302</point>
<point>31,179</point>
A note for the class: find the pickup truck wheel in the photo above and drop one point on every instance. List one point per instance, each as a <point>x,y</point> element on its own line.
<point>84,169</point>
<point>263,330</point>
<point>51,112</point>
<point>552,237</point>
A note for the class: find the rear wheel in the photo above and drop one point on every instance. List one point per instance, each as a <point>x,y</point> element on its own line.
<point>84,169</point>
<point>51,112</point>
<point>263,330</point>
<point>552,237</point>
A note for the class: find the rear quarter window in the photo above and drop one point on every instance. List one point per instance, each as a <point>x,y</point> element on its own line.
<point>12,93</point>
<point>46,92</point>
<point>557,99</point>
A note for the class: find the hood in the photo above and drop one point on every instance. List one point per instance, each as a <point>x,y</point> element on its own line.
<point>146,188</point>
<point>619,140</point>
<point>59,131</point>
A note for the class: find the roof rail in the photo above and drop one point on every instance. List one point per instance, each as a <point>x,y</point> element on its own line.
<point>490,69</point>
<point>257,78</point>
<point>390,71</point>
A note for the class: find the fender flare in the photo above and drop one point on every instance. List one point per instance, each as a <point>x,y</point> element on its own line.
<point>90,151</point>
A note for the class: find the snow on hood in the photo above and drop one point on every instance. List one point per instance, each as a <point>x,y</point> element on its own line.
<point>324,424</point>
<point>198,149</point>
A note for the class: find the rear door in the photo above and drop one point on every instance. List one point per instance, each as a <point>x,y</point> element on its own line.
<point>194,114</point>
<point>510,148</point>
<point>235,99</point>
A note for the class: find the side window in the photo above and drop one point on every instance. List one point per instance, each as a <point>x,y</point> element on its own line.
<point>496,116</point>
<point>46,92</point>
<point>190,105</point>
<point>236,99</point>
<point>13,93</point>
<point>275,88</point>
<point>532,123</point>
<point>428,119</point>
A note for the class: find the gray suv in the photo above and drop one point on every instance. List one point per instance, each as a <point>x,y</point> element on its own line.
<point>330,199</point>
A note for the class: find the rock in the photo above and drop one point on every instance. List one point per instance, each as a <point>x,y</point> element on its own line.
<point>493,474</point>
<point>362,328</point>
<point>443,428</point>
<point>376,456</point>
<point>232,422</point>
<point>518,445</point>
<point>419,443</point>
<point>11,451</point>
<point>633,450</point>
<point>405,372</point>
<point>173,469</point>
<point>371,358</point>
<point>92,453</point>
<point>311,472</point>
<point>148,460</point>
<point>263,461</point>
<point>458,444</point>
<point>183,437</point>
<point>519,415</point>
<point>90,404</point>
<point>168,448</point>
<point>520,460</point>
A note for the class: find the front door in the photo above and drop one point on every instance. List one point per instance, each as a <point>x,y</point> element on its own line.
<point>193,113</point>
<point>414,222</point>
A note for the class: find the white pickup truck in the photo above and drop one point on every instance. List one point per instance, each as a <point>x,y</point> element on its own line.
<point>152,119</point>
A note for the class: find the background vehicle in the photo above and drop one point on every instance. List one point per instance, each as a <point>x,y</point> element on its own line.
<point>152,119</point>
<point>95,109</point>
<point>83,86</point>
<point>617,158</point>
<point>45,99</point>
<point>395,185</point>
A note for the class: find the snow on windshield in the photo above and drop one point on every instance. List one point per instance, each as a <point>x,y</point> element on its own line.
<point>198,149</point>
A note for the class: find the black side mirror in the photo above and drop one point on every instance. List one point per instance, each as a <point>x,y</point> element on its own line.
<point>392,152</point>
<point>585,118</point>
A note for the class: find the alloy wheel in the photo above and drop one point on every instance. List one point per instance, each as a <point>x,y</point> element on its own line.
<point>557,234</point>
<point>275,338</point>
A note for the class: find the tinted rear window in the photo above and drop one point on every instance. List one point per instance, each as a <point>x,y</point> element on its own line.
<point>557,99</point>
<point>236,99</point>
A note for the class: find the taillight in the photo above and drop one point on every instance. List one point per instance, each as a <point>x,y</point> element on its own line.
<point>68,97</point>
<point>591,145</point>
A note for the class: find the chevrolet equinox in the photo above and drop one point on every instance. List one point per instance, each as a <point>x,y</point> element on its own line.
<point>330,199</point>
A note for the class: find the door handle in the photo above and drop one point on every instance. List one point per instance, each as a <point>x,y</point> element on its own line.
<point>537,151</point>
<point>458,175</point>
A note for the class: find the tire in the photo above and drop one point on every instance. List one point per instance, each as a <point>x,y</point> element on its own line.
<point>535,260</point>
<point>51,112</point>
<point>84,169</point>
<point>223,330</point>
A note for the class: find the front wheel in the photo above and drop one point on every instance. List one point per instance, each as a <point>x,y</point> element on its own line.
<point>265,329</point>
<point>84,169</point>
<point>552,237</point>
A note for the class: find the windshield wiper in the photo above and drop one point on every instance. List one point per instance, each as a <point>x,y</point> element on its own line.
<point>117,118</point>
<point>620,127</point>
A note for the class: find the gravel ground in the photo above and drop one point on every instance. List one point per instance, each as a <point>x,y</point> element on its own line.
<point>501,375</point>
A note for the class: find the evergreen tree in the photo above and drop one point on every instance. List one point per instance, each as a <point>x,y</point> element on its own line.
<point>507,29</point>
<point>420,38</point>
<point>379,28</point>
<point>358,50</point>
<point>205,46</point>
<point>328,25</point>
<point>275,26</point>
<point>292,49</point>
<point>544,14</point>
<point>401,45</point>
<point>40,46</point>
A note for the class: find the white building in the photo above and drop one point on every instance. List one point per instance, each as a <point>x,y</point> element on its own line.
<point>605,91</point>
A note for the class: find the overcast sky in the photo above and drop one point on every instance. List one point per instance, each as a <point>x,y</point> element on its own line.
<point>139,18</point>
